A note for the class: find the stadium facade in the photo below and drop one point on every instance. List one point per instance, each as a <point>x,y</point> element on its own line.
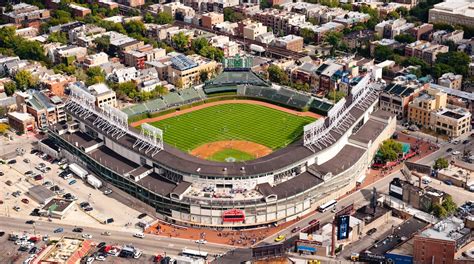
<point>326,163</point>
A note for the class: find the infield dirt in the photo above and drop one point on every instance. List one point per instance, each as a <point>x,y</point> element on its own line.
<point>207,150</point>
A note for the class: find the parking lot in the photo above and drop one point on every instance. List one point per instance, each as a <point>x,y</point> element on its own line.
<point>104,207</point>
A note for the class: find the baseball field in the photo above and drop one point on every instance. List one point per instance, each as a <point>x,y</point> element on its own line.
<point>232,132</point>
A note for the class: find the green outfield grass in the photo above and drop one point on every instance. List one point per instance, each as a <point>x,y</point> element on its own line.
<point>256,123</point>
<point>231,155</point>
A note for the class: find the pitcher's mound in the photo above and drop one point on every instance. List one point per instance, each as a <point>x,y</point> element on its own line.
<point>231,151</point>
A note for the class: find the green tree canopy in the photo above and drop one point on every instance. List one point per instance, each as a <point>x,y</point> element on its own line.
<point>336,95</point>
<point>459,61</point>
<point>24,80</point>
<point>383,53</point>
<point>277,74</point>
<point>102,43</point>
<point>439,211</point>
<point>163,18</point>
<point>180,41</point>
<point>405,38</point>
<point>95,75</point>
<point>10,88</point>
<point>441,163</point>
<point>449,205</point>
<point>232,16</point>
<point>135,27</point>
<point>58,36</point>
<point>390,150</point>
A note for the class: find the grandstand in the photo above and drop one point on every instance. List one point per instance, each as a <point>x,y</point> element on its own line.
<point>319,106</point>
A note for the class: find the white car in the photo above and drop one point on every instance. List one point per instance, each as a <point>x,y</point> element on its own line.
<point>201,241</point>
<point>87,236</point>
<point>139,235</point>
<point>100,258</point>
<point>90,260</point>
<point>137,254</point>
<point>17,208</point>
<point>456,152</point>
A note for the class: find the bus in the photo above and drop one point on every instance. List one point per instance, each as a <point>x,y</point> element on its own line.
<point>194,253</point>
<point>327,206</point>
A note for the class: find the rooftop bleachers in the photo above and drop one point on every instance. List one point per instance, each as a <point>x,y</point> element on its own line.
<point>320,106</point>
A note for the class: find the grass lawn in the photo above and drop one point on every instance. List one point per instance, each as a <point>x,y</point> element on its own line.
<point>256,123</point>
<point>231,155</point>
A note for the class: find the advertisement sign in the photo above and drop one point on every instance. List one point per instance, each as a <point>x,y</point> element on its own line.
<point>343,227</point>
<point>396,189</point>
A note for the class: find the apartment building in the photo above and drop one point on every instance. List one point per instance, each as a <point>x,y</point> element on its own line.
<point>251,31</point>
<point>24,13</point>
<point>425,50</point>
<point>441,36</point>
<point>420,109</point>
<point>56,83</point>
<point>229,47</point>
<point>290,42</point>
<point>178,10</point>
<point>282,22</point>
<point>452,12</point>
<point>27,32</point>
<point>185,70</point>
<point>451,122</point>
<point>396,96</point>
<point>21,122</point>
<point>82,35</point>
<point>46,110</point>
<point>451,80</point>
<point>68,54</point>
<point>137,58</point>
<point>95,59</point>
<point>131,3</point>
<point>391,28</point>
<point>79,11</point>
<point>103,94</point>
<point>422,32</point>
<point>210,19</point>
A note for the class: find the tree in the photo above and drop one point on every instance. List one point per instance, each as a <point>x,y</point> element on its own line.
<point>58,36</point>
<point>383,53</point>
<point>439,211</point>
<point>414,61</point>
<point>441,68</point>
<point>163,18</point>
<point>148,18</point>
<point>204,76</point>
<point>403,11</point>
<point>265,4</point>
<point>405,38</point>
<point>24,80</point>
<point>4,128</point>
<point>231,15</point>
<point>441,163</point>
<point>161,90</point>
<point>334,39</point>
<point>449,205</point>
<point>390,150</point>
<point>336,95</point>
<point>180,41</point>
<point>308,35</point>
<point>10,88</point>
<point>63,68</point>
<point>459,61</point>
<point>95,75</point>
<point>102,43</point>
<point>179,83</point>
<point>393,15</point>
<point>135,27</point>
<point>198,44</point>
<point>277,74</point>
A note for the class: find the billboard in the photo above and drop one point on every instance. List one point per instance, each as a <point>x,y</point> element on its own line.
<point>342,227</point>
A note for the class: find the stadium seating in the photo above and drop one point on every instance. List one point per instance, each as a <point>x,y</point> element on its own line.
<point>173,99</point>
<point>155,105</point>
<point>189,95</point>
<point>319,106</point>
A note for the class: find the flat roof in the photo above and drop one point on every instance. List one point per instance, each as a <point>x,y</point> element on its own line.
<point>296,185</point>
<point>41,192</point>
<point>157,184</point>
<point>367,214</point>
<point>57,205</point>
<point>112,160</point>
<point>81,139</point>
<point>369,131</point>
<point>50,143</point>
<point>345,159</point>
<point>405,230</point>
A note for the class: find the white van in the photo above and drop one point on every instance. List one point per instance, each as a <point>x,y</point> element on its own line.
<point>425,179</point>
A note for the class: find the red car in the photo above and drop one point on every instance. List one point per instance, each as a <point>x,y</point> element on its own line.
<point>38,178</point>
<point>26,201</point>
<point>158,258</point>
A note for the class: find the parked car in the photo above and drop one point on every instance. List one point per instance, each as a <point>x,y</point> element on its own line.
<point>280,238</point>
<point>72,182</point>
<point>25,201</point>
<point>38,177</point>
<point>406,132</point>
<point>107,191</point>
<point>139,235</point>
<point>9,183</point>
<point>88,236</point>
<point>30,222</point>
<point>201,241</point>
<point>77,229</point>
<point>457,152</point>
<point>143,215</point>
<point>88,209</point>
<point>106,233</point>
<point>58,230</point>
<point>314,221</point>
<point>101,244</point>
<point>465,141</point>
<point>296,229</point>
<point>448,182</point>
<point>449,150</point>
<point>17,208</point>
<point>371,231</point>
<point>13,161</point>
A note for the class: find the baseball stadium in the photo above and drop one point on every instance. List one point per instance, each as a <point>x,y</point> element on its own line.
<point>236,152</point>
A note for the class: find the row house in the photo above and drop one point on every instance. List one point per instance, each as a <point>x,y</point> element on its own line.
<point>139,56</point>
<point>422,32</point>
<point>47,110</point>
<point>425,50</point>
<point>24,13</point>
<point>442,36</point>
<point>282,22</point>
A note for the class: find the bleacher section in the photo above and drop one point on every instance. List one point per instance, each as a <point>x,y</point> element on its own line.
<point>283,96</point>
<point>319,106</point>
<point>170,100</point>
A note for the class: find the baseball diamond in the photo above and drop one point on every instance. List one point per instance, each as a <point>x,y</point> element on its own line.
<point>255,123</point>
